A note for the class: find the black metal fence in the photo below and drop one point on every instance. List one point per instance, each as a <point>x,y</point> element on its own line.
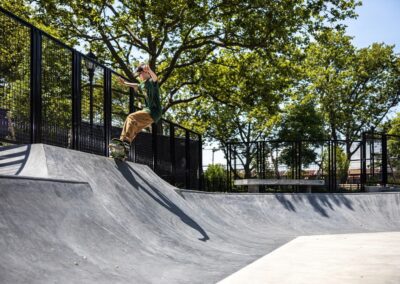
<point>53,94</point>
<point>382,159</point>
<point>343,165</point>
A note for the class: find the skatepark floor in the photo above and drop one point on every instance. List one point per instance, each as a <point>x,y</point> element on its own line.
<point>73,217</point>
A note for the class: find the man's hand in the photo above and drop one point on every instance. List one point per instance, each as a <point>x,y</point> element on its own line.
<point>121,81</point>
<point>126,83</point>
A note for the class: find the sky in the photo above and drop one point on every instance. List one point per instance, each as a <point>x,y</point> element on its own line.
<point>378,21</point>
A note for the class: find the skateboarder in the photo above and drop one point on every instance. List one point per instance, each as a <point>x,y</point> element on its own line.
<point>151,113</point>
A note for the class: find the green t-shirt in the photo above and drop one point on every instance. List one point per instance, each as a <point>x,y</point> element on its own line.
<point>151,92</point>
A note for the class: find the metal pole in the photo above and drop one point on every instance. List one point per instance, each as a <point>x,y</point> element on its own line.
<point>363,177</point>
<point>91,75</point>
<point>36,79</point>
<point>107,109</point>
<point>131,100</point>
<point>172,153</point>
<point>76,99</point>
<point>334,155</point>
<point>299,160</point>
<point>187,150</point>
<point>228,166</point>
<point>372,153</point>
<point>154,130</point>
<point>201,175</point>
<point>384,160</point>
<point>329,166</point>
<point>294,160</point>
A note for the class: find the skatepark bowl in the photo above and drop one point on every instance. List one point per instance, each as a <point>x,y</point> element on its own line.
<point>73,217</point>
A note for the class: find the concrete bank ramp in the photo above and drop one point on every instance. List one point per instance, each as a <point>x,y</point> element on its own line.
<point>73,217</point>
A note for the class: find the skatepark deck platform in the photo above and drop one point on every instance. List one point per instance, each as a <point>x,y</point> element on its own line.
<point>73,217</point>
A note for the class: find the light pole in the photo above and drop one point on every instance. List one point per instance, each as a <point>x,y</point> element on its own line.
<point>91,67</point>
<point>213,151</point>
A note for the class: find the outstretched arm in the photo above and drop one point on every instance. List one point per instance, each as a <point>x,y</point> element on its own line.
<point>129,84</point>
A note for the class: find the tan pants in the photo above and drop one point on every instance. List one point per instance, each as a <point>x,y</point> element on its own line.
<point>134,123</point>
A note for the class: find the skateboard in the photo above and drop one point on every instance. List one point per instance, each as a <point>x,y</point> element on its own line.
<point>118,149</point>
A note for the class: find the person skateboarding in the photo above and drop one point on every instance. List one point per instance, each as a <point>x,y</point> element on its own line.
<point>148,87</point>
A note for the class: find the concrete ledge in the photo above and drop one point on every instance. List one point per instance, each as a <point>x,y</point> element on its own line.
<point>253,184</point>
<point>279,182</point>
<point>42,179</point>
<point>379,188</point>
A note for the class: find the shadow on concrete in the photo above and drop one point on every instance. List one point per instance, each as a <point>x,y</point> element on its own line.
<point>21,162</point>
<point>126,170</point>
<point>321,202</point>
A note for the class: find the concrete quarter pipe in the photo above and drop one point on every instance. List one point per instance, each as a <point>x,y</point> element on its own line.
<point>73,217</point>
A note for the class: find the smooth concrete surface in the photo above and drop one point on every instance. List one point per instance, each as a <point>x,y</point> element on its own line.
<point>347,259</point>
<point>24,160</point>
<point>82,218</point>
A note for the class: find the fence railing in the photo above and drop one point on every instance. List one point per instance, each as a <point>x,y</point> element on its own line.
<point>382,159</point>
<point>344,165</point>
<point>51,93</point>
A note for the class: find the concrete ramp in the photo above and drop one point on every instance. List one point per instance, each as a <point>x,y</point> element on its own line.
<point>73,217</point>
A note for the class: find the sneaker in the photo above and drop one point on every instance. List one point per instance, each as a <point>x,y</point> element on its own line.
<point>125,144</point>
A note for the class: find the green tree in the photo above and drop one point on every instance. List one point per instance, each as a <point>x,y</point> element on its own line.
<point>392,128</point>
<point>342,163</point>
<point>179,37</point>
<point>240,97</point>
<point>215,178</point>
<point>354,88</point>
<point>301,122</point>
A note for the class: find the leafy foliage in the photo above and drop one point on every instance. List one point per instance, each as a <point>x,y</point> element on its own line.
<point>215,178</point>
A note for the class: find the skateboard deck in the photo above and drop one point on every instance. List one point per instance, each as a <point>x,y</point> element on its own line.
<point>118,150</point>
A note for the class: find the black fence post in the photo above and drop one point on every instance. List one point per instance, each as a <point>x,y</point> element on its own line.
<point>228,166</point>
<point>187,151</point>
<point>36,79</point>
<point>132,108</point>
<point>263,159</point>
<point>132,100</point>
<point>154,130</point>
<point>234,162</point>
<point>363,178</point>
<point>201,176</point>
<point>76,99</point>
<point>384,160</point>
<point>294,159</point>
<point>172,153</point>
<point>329,166</point>
<point>299,159</point>
<point>107,109</point>
<point>334,163</point>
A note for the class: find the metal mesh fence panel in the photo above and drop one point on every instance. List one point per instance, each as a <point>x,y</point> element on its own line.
<point>373,158</point>
<point>393,161</point>
<point>194,145</point>
<point>120,106</point>
<point>120,103</point>
<point>143,145</point>
<point>164,151</point>
<point>56,126</point>
<point>15,63</point>
<point>53,94</point>
<point>92,138</point>
<point>338,163</point>
<point>180,157</point>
